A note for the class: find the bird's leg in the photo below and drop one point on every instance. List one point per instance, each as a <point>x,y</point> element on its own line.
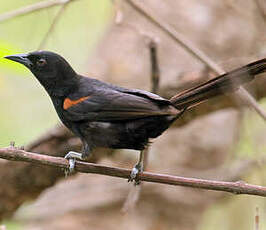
<point>72,156</point>
<point>138,168</point>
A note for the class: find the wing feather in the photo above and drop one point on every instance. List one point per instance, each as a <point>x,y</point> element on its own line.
<point>107,104</point>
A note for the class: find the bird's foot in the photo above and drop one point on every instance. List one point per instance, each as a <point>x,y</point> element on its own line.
<point>71,157</point>
<point>138,168</point>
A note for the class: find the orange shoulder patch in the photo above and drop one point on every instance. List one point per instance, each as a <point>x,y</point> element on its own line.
<point>68,102</point>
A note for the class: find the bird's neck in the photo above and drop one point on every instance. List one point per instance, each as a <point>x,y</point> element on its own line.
<point>61,88</point>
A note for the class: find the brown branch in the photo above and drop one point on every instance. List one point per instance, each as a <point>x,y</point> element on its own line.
<point>194,51</point>
<point>155,80</point>
<point>175,35</point>
<point>155,70</point>
<point>56,142</point>
<point>239,187</point>
<point>32,8</point>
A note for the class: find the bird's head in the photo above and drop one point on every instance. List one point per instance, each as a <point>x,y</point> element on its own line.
<point>51,69</point>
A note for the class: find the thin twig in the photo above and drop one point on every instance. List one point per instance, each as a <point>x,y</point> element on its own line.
<point>134,193</point>
<point>239,187</point>
<point>176,36</point>
<point>155,71</point>
<point>194,51</point>
<point>155,80</point>
<point>32,8</point>
<point>53,25</point>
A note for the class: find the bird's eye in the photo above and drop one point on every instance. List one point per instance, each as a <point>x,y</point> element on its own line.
<point>41,62</point>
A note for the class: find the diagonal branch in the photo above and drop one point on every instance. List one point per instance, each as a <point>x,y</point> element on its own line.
<point>239,187</point>
<point>194,51</point>
<point>176,36</point>
<point>53,25</point>
<point>32,8</point>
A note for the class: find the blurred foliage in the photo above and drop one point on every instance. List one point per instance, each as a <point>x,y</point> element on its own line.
<point>237,212</point>
<point>230,212</point>
<point>12,225</point>
<point>26,111</point>
<point>7,48</point>
<point>252,140</point>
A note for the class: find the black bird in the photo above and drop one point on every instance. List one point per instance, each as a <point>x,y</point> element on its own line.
<point>105,115</point>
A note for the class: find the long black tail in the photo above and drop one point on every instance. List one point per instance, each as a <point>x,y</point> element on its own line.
<point>222,84</point>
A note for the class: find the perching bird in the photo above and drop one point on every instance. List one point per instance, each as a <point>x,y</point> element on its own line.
<point>105,115</point>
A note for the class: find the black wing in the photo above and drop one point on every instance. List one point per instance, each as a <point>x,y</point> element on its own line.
<point>106,102</point>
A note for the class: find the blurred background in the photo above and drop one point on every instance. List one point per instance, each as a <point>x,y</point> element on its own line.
<point>108,40</point>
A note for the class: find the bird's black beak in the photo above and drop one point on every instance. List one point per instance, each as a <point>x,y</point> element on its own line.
<point>21,58</point>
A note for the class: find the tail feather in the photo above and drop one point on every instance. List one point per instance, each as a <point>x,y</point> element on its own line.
<point>222,84</point>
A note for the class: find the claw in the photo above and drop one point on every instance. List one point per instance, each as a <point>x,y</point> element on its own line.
<point>138,168</point>
<point>71,162</point>
<point>72,156</point>
<point>75,155</point>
